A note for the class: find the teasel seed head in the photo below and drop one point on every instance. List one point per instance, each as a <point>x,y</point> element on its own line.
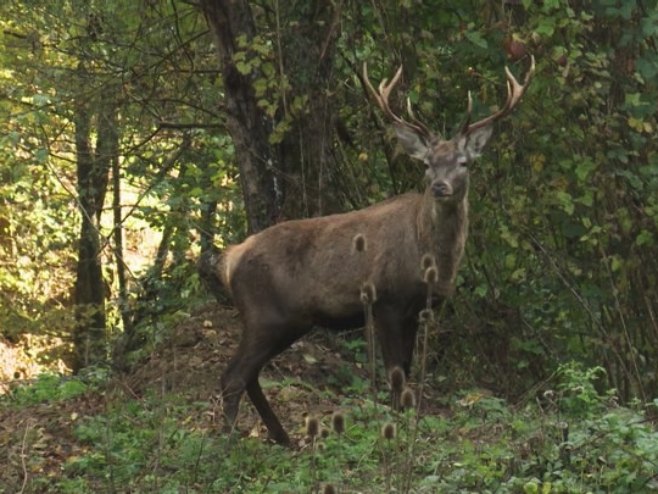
<point>431,275</point>
<point>389,431</point>
<point>397,379</point>
<point>408,398</point>
<point>329,489</point>
<point>312,427</point>
<point>338,422</point>
<point>427,261</point>
<point>425,316</point>
<point>359,242</point>
<point>368,293</point>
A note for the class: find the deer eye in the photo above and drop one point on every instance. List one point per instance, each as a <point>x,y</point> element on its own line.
<point>462,160</point>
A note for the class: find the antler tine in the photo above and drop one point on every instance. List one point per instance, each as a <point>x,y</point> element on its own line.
<point>381,95</point>
<point>514,93</point>
<point>384,89</point>
<point>417,124</point>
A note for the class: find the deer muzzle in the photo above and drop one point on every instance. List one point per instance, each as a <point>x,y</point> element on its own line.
<point>441,189</point>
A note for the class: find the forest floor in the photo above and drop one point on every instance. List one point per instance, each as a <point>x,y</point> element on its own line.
<point>311,377</point>
<point>158,428</point>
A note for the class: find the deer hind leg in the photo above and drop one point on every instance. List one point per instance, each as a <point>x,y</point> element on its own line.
<point>274,427</point>
<point>397,337</point>
<point>257,347</point>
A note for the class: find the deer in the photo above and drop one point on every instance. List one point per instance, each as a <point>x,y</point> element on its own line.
<point>299,274</point>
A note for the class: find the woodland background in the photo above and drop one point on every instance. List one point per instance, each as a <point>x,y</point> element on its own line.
<point>134,134</point>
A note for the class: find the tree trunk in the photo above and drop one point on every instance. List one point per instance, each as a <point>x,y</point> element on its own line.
<point>92,179</point>
<point>117,233</point>
<point>306,151</point>
<point>248,124</point>
<point>290,178</point>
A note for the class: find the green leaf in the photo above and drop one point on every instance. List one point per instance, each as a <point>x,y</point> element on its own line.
<point>584,168</point>
<point>260,86</point>
<point>476,38</point>
<point>511,239</point>
<point>566,202</point>
<point>41,155</point>
<point>645,237</point>
<point>632,99</point>
<point>546,27</point>
<point>243,67</point>
<point>647,67</point>
<point>279,132</point>
<point>481,290</point>
<point>586,199</point>
<point>616,263</point>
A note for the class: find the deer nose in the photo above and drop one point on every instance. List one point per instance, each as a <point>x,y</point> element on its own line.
<point>441,189</point>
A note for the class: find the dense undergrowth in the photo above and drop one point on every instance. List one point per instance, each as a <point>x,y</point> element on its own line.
<point>564,437</point>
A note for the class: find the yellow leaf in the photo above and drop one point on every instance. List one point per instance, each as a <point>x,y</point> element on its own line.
<point>537,162</point>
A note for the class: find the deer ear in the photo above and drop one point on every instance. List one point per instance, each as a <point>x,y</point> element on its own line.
<point>413,143</point>
<point>472,143</point>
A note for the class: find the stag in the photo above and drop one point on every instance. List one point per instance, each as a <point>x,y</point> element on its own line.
<point>304,273</point>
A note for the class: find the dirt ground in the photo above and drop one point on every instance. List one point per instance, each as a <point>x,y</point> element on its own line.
<point>192,360</point>
<point>311,378</point>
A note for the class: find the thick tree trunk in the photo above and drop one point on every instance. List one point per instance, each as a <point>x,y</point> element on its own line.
<point>290,178</point>
<point>89,332</point>
<point>248,124</point>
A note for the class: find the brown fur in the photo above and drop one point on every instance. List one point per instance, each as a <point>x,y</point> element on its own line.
<point>289,256</point>
<point>303,273</point>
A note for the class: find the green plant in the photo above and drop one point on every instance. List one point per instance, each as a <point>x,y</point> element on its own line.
<point>49,388</point>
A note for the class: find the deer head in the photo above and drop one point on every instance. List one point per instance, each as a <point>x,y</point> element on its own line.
<point>446,160</point>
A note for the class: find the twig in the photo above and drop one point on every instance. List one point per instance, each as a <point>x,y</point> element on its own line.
<point>28,426</point>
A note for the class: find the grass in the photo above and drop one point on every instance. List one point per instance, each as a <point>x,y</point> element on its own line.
<point>570,439</point>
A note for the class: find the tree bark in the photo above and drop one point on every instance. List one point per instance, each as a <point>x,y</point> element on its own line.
<point>248,124</point>
<point>291,178</point>
<point>306,151</point>
<point>117,234</point>
<point>92,179</point>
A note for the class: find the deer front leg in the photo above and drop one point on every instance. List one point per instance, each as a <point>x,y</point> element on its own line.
<point>397,337</point>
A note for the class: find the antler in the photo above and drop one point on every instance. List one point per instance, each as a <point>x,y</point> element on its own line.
<point>381,96</point>
<point>514,93</point>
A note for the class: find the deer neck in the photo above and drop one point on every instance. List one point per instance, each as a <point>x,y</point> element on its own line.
<point>442,233</point>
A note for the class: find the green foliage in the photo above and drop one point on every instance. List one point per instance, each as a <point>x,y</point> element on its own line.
<point>570,439</point>
<point>49,388</point>
<point>578,396</point>
<point>175,170</point>
<point>561,259</point>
